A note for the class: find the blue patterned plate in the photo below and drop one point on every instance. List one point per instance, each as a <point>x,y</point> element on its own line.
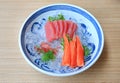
<point>32,33</point>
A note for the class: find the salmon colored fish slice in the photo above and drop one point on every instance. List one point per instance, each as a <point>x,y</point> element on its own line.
<point>73,50</point>
<point>66,57</point>
<point>80,53</point>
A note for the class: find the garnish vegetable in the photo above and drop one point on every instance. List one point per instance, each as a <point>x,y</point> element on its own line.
<point>47,53</point>
<point>87,50</point>
<point>58,17</point>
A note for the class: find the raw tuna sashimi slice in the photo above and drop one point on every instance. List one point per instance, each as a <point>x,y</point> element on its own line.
<point>73,29</point>
<point>50,31</point>
<point>61,23</point>
<point>57,28</point>
<point>65,27</point>
<point>70,28</point>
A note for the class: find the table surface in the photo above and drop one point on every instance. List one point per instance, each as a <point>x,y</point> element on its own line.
<point>13,67</point>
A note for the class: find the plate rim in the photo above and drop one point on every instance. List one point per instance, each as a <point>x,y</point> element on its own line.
<point>65,74</point>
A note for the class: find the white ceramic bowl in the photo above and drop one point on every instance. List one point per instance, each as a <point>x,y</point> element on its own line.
<point>32,32</point>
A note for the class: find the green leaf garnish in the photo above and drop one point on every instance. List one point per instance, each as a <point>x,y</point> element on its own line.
<point>69,38</point>
<point>51,18</point>
<point>47,56</point>
<point>58,17</point>
<point>86,50</point>
<point>62,43</point>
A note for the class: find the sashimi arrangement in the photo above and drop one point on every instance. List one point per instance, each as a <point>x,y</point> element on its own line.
<point>57,28</point>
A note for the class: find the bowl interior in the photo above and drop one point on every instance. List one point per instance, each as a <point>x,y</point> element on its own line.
<point>33,33</point>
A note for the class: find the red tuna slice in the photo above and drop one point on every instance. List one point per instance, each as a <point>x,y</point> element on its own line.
<point>50,31</point>
<point>57,28</point>
<point>74,29</point>
<point>65,27</point>
<point>70,28</point>
<point>61,23</point>
<point>54,28</point>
